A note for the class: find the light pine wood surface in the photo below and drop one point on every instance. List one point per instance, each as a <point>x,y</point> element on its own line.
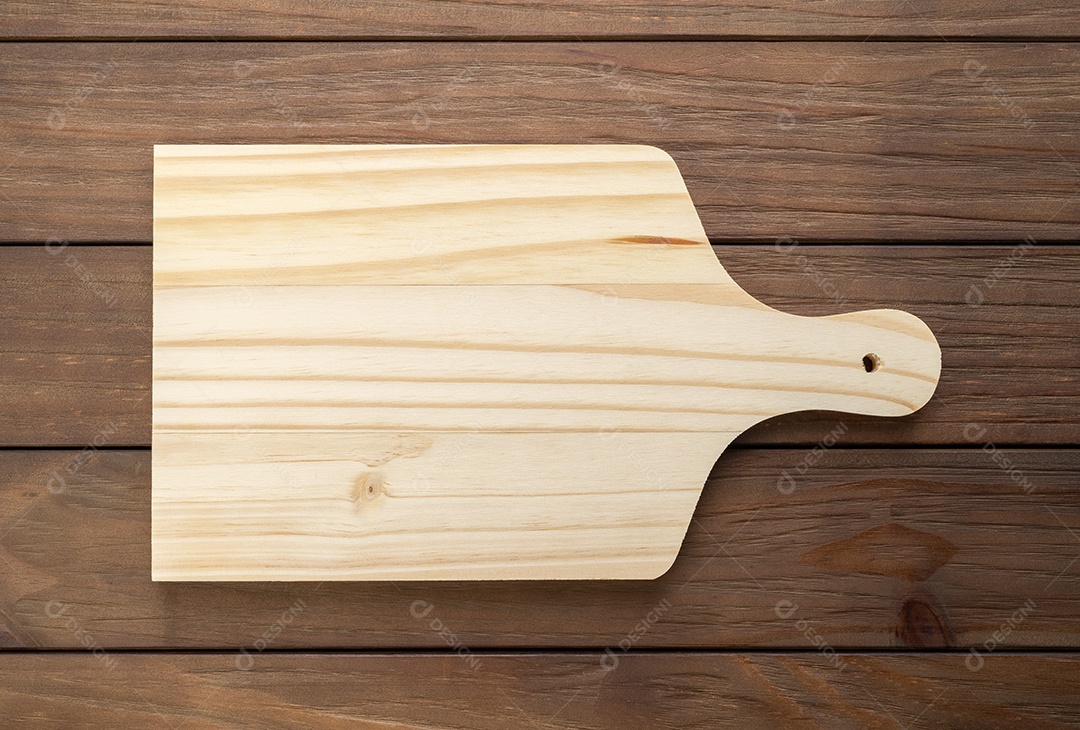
<point>340,393</point>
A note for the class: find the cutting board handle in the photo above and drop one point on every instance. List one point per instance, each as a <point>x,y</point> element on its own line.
<point>890,361</point>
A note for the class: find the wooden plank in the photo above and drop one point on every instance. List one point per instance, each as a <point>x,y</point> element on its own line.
<point>542,690</point>
<point>76,328</point>
<point>526,19</point>
<point>355,417</point>
<point>821,141</point>
<point>75,344</point>
<point>860,547</point>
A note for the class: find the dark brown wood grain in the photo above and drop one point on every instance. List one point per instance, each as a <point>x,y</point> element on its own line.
<point>530,19</point>
<point>498,691</point>
<point>860,547</point>
<point>852,141</point>
<point>75,345</point>
<point>76,339</point>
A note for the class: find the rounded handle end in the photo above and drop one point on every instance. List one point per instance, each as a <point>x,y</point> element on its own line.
<point>898,356</point>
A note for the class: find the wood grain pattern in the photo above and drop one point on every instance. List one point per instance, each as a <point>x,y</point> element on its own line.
<point>649,692</point>
<point>319,215</point>
<point>201,19</point>
<point>78,367</point>
<point>876,548</point>
<point>885,141</point>
<point>821,141</point>
<point>75,345</point>
<point>360,417</point>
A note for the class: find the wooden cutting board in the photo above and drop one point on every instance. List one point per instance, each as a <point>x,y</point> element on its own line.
<point>413,362</point>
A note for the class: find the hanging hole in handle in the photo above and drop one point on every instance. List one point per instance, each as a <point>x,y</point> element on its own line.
<point>871,362</point>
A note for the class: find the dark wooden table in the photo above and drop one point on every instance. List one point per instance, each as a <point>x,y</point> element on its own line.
<point>843,155</point>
